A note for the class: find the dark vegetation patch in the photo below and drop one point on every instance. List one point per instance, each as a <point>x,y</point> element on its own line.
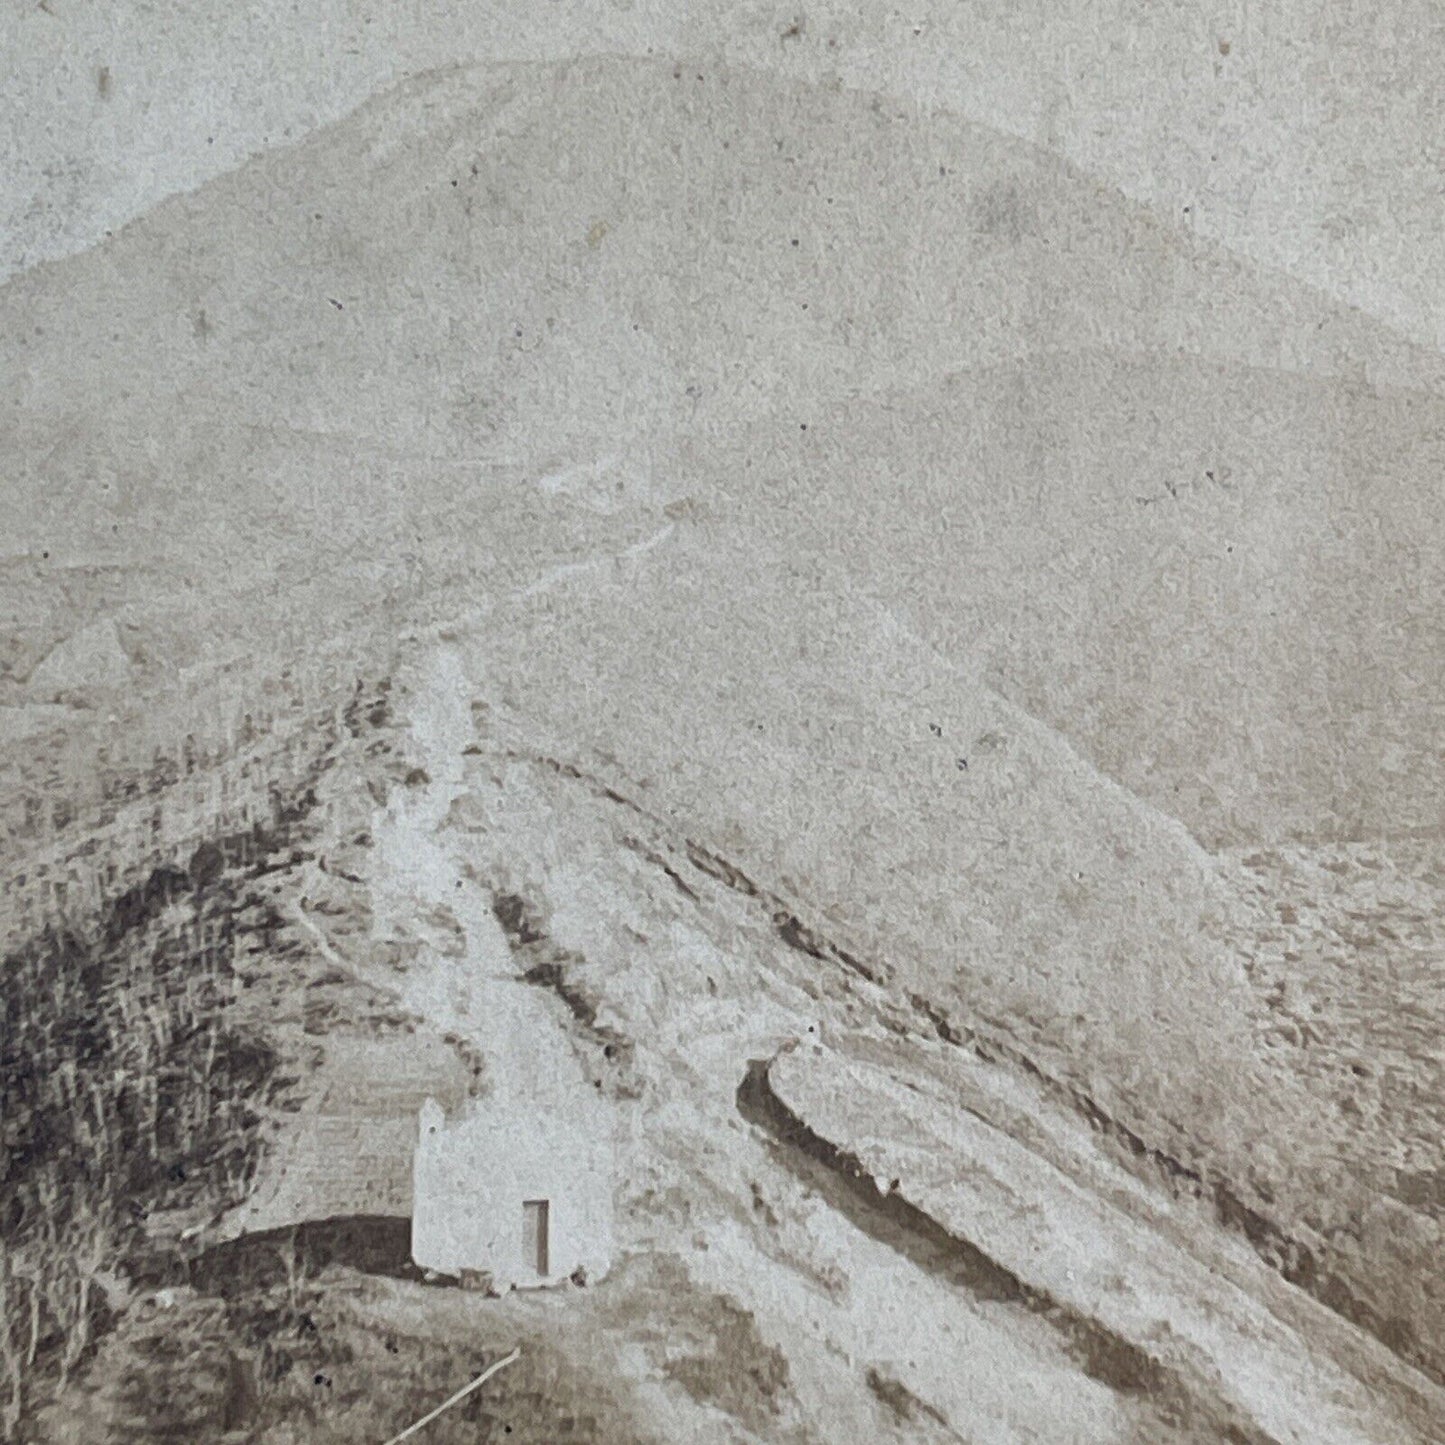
<point>1423,1190</point>
<point>565,770</point>
<point>552,974</point>
<point>788,926</point>
<point>937,1018</point>
<point>572,771</point>
<point>658,861</point>
<point>798,935</point>
<point>521,925</point>
<point>720,869</point>
<point>731,1367</point>
<point>795,935</point>
<point>125,1091</point>
<point>316,1359</point>
<point>129,1083</point>
<point>902,1403</point>
<point>368,709</point>
<point>616,1049</point>
<point>472,1059</point>
<point>761,1207</point>
<point>545,965</point>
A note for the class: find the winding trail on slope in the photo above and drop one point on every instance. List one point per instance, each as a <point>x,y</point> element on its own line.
<point>479,995</point>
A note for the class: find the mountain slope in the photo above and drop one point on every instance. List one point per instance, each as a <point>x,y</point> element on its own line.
<point>965,850</point>
<point>667,272</point>
<point>1217,581</point>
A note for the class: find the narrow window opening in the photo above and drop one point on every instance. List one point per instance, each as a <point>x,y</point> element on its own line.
<point>535,1230</point>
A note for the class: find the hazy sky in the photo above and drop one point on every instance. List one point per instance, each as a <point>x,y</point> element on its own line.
<point>1306,134</point>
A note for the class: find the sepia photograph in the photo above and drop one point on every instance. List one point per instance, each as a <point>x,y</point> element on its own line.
<point>722,723</point>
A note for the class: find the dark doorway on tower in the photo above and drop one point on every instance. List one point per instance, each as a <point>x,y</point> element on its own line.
<point>535,1223</point>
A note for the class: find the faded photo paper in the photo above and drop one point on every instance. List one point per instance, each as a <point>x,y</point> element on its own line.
<point>722,723</point>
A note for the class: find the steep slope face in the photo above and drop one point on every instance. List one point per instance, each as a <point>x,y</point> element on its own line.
<point>631,268</point>
<point>1217,581</point>
<point>1030,899</point>
<point>674,956</point>
<point>965,856</point>
<point>966,850</point>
